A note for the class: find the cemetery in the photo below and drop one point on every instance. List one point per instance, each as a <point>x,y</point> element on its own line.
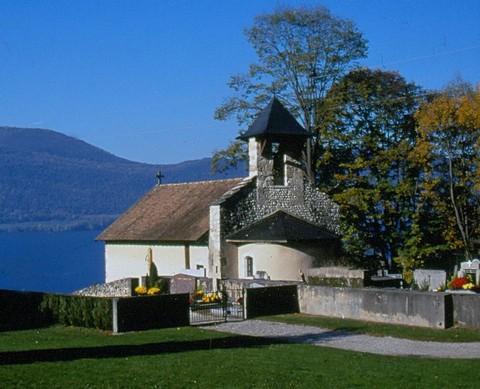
<point>338,291</point>
<point>189,300</point>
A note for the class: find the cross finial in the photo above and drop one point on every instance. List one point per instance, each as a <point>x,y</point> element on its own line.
<point>159,177</point>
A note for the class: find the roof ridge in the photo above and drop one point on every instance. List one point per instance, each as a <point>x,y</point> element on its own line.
<point>200,182</point>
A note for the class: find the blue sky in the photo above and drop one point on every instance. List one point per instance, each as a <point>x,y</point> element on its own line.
<point>141,79</point>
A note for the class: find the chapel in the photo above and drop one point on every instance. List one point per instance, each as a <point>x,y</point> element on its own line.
<point>272,224</point>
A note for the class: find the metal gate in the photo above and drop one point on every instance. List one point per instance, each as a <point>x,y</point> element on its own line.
<point>216,306</point>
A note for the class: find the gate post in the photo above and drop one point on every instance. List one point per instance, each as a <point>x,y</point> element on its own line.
<point>115,315</point>
<point>224,303</point>
<point>245,298</point>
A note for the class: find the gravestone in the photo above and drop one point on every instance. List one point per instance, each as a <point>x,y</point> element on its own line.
<point>183,283</point>
<point>434,279</point>
<point>470,268</point>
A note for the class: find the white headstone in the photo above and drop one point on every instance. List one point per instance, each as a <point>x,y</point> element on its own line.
<point>431,278</point>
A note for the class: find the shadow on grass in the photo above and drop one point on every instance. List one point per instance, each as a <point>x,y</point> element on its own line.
<point>352,329</point>
<point>314,337</point>
<point>324,337</point>
<point>122,351</point>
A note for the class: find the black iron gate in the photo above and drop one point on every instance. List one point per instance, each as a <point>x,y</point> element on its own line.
<point>216,306</point>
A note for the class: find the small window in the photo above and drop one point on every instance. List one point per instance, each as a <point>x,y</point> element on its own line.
<point>249,266</point>
<point>275,148</point>
<point>278,165</point>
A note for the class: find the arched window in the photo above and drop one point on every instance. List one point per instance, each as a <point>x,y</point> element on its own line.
<point>249,266</point>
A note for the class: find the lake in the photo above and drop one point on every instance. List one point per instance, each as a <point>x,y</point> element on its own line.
<point>59,262</point>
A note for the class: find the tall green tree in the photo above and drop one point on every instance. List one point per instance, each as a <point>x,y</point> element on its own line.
<point>449,143</point>
<point>367,132</point>
<point>301,53</point>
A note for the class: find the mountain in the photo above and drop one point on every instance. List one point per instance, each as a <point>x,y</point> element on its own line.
<point>51,181</point>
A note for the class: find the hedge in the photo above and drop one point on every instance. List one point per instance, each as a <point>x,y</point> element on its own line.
<point>79,311</point>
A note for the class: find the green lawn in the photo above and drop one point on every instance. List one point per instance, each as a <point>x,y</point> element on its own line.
<point>59,357</point>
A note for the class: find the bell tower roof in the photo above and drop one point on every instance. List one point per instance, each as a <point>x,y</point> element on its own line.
<point>275,121</point>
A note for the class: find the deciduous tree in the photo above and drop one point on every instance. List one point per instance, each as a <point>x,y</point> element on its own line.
<point>301,53</point>
<point>367,132</point>
<point>449,143</point>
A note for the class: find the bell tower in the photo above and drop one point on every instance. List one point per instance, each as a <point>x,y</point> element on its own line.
<point>275,144</point>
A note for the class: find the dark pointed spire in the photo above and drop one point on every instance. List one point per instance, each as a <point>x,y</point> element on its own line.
<point>275,121</point>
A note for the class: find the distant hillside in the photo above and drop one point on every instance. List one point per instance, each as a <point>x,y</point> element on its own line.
<point>50,181</point>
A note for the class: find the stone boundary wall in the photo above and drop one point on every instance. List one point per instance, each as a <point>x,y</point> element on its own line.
<point>466,310</point>
<point>21,311</point>
<point>150,312</point>
<point>119,288</point>
<point>404,307</point>
<point>340,276</point>
<point>270,300</point>
<point>241,283</point>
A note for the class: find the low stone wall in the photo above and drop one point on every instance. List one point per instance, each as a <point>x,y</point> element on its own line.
<point>241,283</point>
<point>466,310</point>
<point>22,310</point>
<point>150,312</point>
<point>271,300</point>
<point>404,307</point>
<point>336,276</point>
<point>120,288</point>
<point>235,287</point>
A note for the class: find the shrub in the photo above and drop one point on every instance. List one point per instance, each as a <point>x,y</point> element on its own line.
<point>80,311</point>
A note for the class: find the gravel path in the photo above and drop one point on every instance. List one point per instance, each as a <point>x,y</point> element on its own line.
<point>350,341</point>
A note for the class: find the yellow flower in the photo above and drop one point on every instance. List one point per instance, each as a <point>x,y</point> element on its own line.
<point>211,298</point>
<point>141,290</point>
<point>153,291</point>
<point>468,286</point>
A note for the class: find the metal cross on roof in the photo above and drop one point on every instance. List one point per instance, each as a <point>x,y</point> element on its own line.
<point>159,177</point>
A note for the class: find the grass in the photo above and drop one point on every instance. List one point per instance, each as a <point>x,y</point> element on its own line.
<point>59,357</point>
<point>378,329</point>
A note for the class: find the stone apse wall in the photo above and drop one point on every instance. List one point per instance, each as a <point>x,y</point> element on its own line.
<point>246,206</point>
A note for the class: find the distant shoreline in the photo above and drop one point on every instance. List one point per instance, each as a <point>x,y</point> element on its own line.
<point>90,223</point>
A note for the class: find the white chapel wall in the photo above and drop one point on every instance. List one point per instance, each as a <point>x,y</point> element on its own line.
<point>199,257</point>
<point>230,268</point>
<point>278,261</point>
<point>128,260</point>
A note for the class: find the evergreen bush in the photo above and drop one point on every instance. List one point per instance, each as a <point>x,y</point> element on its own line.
<point>81,311</point>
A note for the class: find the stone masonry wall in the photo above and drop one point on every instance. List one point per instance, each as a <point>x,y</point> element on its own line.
<point>119,288</point>
<point>421,309</point>
<point>239,210</point>
<point>243,208</point>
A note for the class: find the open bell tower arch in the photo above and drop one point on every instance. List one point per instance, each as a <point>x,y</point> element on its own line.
<point>275,144</point>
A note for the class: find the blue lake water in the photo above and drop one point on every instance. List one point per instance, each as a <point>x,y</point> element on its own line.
<point>59,262</point>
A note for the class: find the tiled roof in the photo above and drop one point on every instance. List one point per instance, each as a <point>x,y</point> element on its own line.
<point>170,213</point>
<point>281,226</point>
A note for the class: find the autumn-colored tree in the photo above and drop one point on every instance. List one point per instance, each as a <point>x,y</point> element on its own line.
<point>301,53</point>
<point>367,131</point>
<point>449,146</point>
